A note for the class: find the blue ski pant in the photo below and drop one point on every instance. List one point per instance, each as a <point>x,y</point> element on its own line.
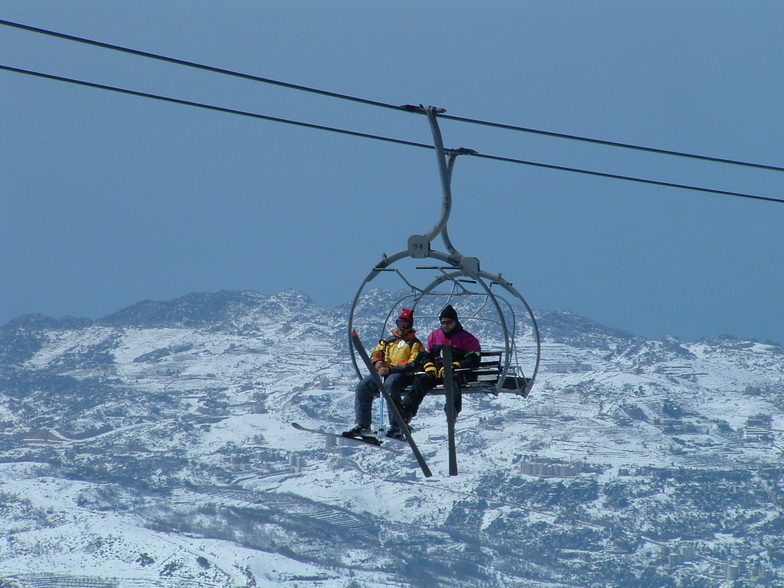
<point>367,390</point>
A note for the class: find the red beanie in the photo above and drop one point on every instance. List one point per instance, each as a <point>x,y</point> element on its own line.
<point>407,315</point>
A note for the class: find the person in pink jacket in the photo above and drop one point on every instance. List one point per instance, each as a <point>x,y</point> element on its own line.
<point>466,353</point>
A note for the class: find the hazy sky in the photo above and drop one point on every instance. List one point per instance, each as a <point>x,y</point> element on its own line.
<point>109,199</point>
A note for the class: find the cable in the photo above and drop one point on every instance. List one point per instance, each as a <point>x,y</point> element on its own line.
<point>193,64</point>
<point>629,178</point>
<point>468,152</point>
<point>613,143</point>
<point>505,126</point>
<point>211,107</point>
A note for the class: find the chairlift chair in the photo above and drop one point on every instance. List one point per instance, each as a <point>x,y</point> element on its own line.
<point>487,303</point>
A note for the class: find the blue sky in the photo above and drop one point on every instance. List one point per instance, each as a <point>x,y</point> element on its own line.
<point>107,199</point>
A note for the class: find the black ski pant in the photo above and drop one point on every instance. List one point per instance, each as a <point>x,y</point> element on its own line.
<point>423,385</point>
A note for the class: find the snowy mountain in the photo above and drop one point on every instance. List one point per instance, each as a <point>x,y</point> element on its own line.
<point>154,447</point>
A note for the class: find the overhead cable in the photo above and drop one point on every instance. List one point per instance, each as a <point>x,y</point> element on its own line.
<point>210,107</point>
<point>469,152</point>
<point>377,103</point>
<point>614,143</point>
<point>193,64</point>
<point>629,178</point>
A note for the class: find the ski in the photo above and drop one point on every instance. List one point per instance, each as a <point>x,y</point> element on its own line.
<point>449,388</point>
<point>363,439</point>
<point>357,342</point>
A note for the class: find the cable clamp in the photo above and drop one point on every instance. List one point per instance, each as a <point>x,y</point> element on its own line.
<point>421,109</point>
<point>460,151</point>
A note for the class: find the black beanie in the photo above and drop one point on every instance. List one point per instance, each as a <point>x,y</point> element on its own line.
<point>448,312</point>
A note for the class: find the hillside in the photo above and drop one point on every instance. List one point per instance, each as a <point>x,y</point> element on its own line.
<point>154,447</point>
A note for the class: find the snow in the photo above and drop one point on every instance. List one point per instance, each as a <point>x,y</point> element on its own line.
<point>220,404</point>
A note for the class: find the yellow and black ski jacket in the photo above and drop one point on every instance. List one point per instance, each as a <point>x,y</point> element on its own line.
<point>401,354</point>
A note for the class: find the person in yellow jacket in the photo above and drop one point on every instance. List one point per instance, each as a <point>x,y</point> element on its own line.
<point>395,359</point>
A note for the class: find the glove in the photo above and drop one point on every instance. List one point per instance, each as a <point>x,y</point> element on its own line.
<point>430,369</point>
<point>442,371</point>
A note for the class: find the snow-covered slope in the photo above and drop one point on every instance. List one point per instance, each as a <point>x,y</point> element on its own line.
<point>154,448</point>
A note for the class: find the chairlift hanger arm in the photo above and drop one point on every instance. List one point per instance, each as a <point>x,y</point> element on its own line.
<point>460,269</point>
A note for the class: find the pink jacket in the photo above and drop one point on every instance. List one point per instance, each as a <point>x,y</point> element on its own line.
<point>465,347</point>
